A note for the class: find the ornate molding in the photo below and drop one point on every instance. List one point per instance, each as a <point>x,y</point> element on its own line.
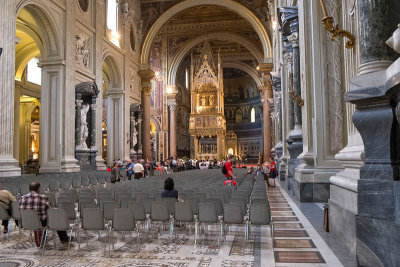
<point>172,106</point>
<point>146,90</point>
<point>294,39</point>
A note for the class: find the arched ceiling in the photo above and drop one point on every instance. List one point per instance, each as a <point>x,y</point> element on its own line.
<point>228,33</point>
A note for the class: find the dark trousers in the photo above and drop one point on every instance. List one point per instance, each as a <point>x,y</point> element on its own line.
<point>61,234</point>
<point>129,176</point>
<point>138,175</point>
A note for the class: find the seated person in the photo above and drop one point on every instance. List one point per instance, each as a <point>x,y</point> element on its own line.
<point>169,191</point>
<point>5,200</point>
<point>250,171</point>
<point>229,181</point>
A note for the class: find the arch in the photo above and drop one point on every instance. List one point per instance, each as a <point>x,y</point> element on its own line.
<point>243,67</point>
<point>112,70</point>
<point>228,4</point>
<point>46,28</point>
<point>156,123</point>
<point>182,52</point>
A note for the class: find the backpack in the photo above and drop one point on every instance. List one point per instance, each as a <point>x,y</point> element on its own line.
<point>224,169</point>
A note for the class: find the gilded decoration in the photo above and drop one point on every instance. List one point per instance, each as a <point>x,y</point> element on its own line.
<point>207,121</point>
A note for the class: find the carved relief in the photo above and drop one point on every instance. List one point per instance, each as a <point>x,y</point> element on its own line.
<point>82,52</point>
<point>132,79</point>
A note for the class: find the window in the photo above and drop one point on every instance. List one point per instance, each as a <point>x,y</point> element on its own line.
<point>112,15</point>
<point>252,115</point>
<point>34,73</point>
<point>239,116</point>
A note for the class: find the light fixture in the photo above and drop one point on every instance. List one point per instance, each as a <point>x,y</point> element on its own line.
<point>157,73</point>
<point>258,68</point>
<point>169,90</point>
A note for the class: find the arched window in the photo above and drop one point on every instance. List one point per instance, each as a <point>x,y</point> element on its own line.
<point>112,15</point>
<point>252,115</point>
<point>239,116</point>
<point>34,73</point>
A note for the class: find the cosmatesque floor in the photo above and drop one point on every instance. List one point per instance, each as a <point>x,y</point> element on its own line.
<point>294,243</point>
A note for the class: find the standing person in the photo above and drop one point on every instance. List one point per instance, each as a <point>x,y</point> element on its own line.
<point>5,200</point>
<point>115,173</point>
<point>228,167</point>
<point>152,167</point>
<point>39,203</point>
<point>138,170</point>
<point>129,169</point>
<point>272,170</point>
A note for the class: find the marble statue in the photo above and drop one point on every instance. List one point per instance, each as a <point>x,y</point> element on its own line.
<point>134,135</point>
<point>84,127</point>
<point>203,101</point>
<point>211,100</point>
<point>394,40</point>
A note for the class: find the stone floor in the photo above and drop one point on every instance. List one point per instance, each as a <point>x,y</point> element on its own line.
<point>295,242</point>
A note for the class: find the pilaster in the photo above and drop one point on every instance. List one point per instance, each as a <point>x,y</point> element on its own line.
<point>8,165</point>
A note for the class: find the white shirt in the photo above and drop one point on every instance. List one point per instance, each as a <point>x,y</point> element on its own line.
<point>137,168</point>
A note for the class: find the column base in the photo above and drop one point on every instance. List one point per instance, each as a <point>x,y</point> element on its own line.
<point>101,166</point>
<point>283,169</point>
<point>295,148</point>
<point>9,168</point>
<point>86,158</point>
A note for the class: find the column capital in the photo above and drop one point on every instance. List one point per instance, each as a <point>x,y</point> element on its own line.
<point>172,106</point>
<point>266,85</point>
<point>146,75</point>
<point>146,90</point>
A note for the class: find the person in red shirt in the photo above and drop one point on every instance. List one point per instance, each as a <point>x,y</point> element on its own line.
<point>229,172</point>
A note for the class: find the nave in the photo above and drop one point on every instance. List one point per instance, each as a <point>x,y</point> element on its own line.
<point>294,240</point>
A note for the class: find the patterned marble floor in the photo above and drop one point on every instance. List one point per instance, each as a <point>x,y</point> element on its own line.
<point>294,243</point>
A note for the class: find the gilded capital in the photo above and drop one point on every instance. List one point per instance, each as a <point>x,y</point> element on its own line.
<point>265,68</point>
<point>146,75</point>
<point>146,90</point>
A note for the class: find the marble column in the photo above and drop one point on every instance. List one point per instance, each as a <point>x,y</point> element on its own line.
<point>78,107</point>
<point>377,19</point>
<point>8,165</point>
<point>92,133</point>
<point>266,91</point>
<point>146,76</point>
<point>276,86</point>
<point>172,129</point>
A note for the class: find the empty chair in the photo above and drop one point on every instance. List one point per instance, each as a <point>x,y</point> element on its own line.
<point>208,215</point>
<point>233,215</point>
<point>93,220</point>
<point>57,220</point>
<point>239,201</point>
<point>220,196</point>
<point>260,214</point>
<point>123,221</point>
<point>52,198</point>
<point>138,213</point>
<point>184,213</point>
<point>86,205</point>
<point>86,199</point>
<point>68,195</point>
<point>194,203</point>
<point>159,212</point>
<point>30,221</point>
<point>69,208</point>
<point>201,196</point>
<point>54,186</point>
<point>260,200</point>
<point>218,205</point>
<point>170,202</point>
<point>76,182</point>
<point>123,202</point>
<point>147,201</point>
<point>108,208</point>
<point>65,184</point>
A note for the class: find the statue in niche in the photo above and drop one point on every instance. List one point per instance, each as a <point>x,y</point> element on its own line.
<point>134,135</point>
<point>211,100</point>
<point>203,101</point>
<point>84,127</point>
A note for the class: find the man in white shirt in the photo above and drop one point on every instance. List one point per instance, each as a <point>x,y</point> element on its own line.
<point>138,170</point>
